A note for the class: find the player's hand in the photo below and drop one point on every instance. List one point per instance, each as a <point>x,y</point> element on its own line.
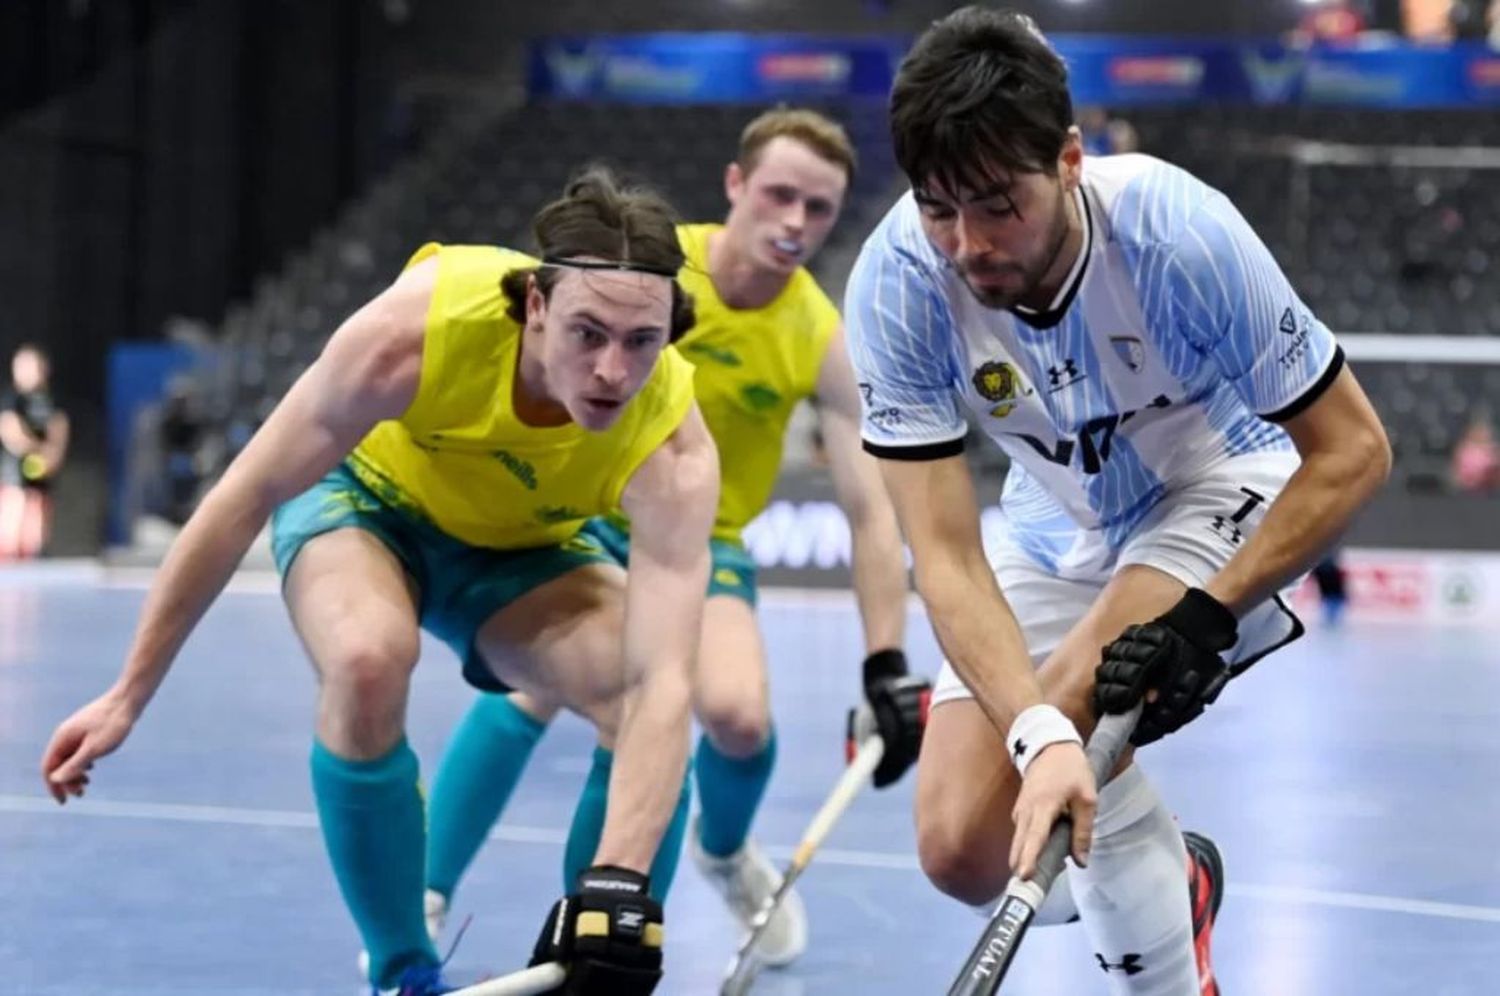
<point>80,740</point>
<point>895,709</point>
<point>1175,658</point>
<point>1057,783</point>
<point>608,934</point>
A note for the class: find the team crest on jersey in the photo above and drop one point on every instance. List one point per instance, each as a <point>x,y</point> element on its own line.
<point>1130,351</point>
<point>760,397</point>
<point>997,381</point>
<point>719,355</point>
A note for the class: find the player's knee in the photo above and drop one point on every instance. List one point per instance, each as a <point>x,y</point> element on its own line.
<point>970,870</point>
<point>370,671</point>
<point>737,728</point>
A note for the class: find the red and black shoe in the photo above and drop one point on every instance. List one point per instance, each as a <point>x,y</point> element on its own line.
<point>1205,893</point>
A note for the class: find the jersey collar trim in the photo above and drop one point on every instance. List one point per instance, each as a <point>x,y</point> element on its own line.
<point>1074,280</point>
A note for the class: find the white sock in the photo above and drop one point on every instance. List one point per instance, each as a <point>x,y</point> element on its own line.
<point>1133,896</point>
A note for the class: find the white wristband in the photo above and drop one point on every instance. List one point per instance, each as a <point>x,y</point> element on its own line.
<point>1037,727</point>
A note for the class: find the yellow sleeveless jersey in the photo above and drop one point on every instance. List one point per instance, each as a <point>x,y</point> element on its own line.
<point>461,459</point>
<point>753,366</point>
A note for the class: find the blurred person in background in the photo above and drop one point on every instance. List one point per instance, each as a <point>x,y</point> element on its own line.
<point>1476,457</point>
<point>1470,20</point>
<point>1428,21</point>
<point>1332,22</point>
<point>33,445</point>
<point>1105,135</point>
<point>1333,589</point>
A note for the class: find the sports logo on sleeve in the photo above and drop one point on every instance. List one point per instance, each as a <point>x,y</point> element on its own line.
<point>1299,334</point>
<point>997,381</point>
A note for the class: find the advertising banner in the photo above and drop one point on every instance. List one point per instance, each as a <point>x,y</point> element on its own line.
<point>1113,70</point>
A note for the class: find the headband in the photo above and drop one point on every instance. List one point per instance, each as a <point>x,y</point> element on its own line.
<point>623,265</point>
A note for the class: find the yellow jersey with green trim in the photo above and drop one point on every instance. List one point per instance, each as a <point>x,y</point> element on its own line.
<point>461,459</point>
<point>753,366</point>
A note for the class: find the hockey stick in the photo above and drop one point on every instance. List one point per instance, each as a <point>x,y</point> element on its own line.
<point>992,956</point>
<point>528,982</point>
<point>740,974</point>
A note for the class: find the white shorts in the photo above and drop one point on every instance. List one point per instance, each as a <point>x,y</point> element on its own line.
<point>1190,534</point>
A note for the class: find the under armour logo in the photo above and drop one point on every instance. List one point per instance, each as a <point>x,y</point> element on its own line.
<point>1064,375</point>
<point>1130,964</point>
<point>1229,528</point>
<point>1019,750</point>
<point>1226,528</point>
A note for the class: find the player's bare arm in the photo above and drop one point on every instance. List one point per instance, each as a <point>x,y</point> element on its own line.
<point>1176,659</point>
<point>14,435</point>
<point>896,701</point>
<point>671,501</point>
<point>939,513</point>
<point>55,447</point>
<point>18,440</point>
<point>369,371</point>
<point>879,570</point>
<point>1346,458</point>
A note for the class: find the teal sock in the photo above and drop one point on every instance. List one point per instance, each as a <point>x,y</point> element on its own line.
<point>371,815</point>
<point>729,793</point>
<point>480,769</point>
<point>588,828</point>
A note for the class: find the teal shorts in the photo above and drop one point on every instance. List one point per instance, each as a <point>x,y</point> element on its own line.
<point>731,570</point>
<point>461,586</point>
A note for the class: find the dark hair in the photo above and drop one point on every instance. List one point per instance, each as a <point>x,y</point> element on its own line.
<point>599,218</point>
<point>981,94</point>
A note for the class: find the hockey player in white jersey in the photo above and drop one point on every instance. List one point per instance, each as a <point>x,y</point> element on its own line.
<point>1185,442</point>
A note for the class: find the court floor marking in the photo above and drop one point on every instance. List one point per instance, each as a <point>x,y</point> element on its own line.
<point>511,833</point>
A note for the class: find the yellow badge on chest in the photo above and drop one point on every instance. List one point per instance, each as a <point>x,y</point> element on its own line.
<point>997,381</point>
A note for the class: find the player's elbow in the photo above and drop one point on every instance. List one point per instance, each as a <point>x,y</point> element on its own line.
<point>1369,459</point>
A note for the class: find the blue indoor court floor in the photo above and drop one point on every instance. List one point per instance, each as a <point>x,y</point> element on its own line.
<point>1353,782</point>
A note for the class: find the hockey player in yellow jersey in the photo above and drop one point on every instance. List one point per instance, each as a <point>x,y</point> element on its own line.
<point>435,468</point>
<point>766,338</point>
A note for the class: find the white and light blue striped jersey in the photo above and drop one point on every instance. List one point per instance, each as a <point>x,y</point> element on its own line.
<point>1177,343</point>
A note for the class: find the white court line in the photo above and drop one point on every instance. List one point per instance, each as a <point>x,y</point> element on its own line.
<point>283,818</point>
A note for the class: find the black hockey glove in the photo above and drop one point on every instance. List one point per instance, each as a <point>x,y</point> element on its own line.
<point>608,934</point>
<point>1175,655</point>
<point>895,708</point>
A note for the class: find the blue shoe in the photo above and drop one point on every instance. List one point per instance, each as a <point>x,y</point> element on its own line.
<point>421,980</point>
